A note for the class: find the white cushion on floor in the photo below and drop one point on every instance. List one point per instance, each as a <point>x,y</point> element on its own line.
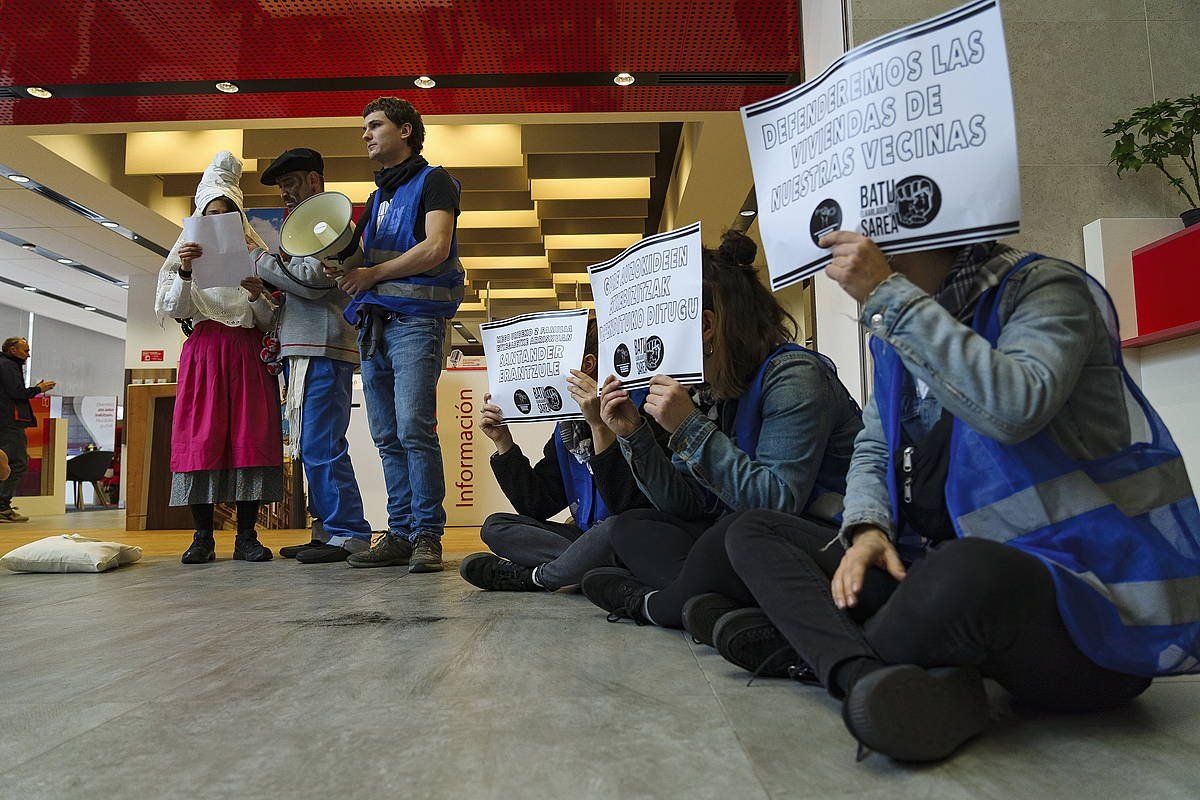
<point>70,553</point>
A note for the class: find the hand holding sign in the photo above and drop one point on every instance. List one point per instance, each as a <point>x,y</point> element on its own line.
<point>668,402</point>
<point>858,264</point>
<point>491,422</point>
<point>583,389</point>
<point>617,410</point>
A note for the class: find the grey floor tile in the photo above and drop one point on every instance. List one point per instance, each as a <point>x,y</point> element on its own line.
<point>278,680</point>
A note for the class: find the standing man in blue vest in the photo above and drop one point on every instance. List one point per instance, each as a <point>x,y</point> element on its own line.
<point>410,287</point>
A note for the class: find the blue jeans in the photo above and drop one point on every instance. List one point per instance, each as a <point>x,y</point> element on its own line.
<point>400,383</point>
<point>333,494</point>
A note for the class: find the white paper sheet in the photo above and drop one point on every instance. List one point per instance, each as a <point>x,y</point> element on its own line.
<point>225,261</point>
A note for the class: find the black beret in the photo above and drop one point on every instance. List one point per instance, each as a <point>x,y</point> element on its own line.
<point>298,159</point>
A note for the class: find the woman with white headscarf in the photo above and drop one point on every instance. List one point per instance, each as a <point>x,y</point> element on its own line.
<point>226,440</point>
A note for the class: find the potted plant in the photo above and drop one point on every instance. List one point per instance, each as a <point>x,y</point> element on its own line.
<point>1157,135</point>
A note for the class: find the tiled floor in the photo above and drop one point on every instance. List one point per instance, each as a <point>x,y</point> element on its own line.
<point>281,680</point>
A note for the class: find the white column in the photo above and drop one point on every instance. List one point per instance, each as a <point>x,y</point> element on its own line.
<point>839,336</point>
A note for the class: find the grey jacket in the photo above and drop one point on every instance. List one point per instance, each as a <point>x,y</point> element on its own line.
<point>310,321</point>
<point>1052,369</point>
<point>809,422</point>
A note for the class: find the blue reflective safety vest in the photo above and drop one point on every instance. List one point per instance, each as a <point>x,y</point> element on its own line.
<point>1120,534</point>
<point>824,501</point>
<point>436,293</point>
<point>583,496</point>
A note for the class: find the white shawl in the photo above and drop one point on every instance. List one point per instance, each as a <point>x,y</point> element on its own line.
<point>225,304</point>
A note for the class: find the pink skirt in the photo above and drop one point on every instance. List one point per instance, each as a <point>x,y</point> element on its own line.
<point>227,404</point>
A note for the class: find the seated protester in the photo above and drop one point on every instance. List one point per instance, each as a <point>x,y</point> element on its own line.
<point>580,469</point>
<point>774,429</point>
<point>1007,444</point>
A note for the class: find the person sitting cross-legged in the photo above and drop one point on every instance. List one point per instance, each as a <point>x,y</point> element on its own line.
<point>581,469</point>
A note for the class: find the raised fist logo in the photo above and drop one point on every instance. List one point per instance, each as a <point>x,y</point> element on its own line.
<point>918,200</point>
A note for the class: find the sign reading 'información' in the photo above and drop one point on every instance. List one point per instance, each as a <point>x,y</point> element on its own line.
<point>909,139</point>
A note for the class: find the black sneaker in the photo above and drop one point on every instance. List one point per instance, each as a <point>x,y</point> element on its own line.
<point>247,547</point>
<point>202,549</point>
<point>293,550</point>
<point>748,639</point>
<point>915,714</point>
<point>700,615</point>
<point>322,554</point>
<point>390,551</point>
<point>617,592</point>
<point>496,574</point>
<point>426,555</point>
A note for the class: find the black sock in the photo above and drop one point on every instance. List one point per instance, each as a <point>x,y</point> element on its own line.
<point>202,516</point>
<point>247,515</point>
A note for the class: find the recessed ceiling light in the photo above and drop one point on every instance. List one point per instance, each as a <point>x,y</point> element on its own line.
<point>29,288</point>
<point>89,308</point>
<point>63,260</point>
<point>29,246</point>
<point>18,179</point>
<point>749,212</point>
<point>425,82</point>
<point>39,92</point>
<point>227,87</point>
<point>623,79</point>
<point>123,285</point>
<point>108,224</point>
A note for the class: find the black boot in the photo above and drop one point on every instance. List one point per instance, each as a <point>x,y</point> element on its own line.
<point>700,615</point>
<point>618,592</point>
<point>202,549</point>
<point>246,547</point>
<point>496,574</point>
<point>746,637</point>
<point>915,714</point>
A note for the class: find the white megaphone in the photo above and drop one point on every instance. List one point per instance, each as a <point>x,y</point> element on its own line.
<point>321,227</point>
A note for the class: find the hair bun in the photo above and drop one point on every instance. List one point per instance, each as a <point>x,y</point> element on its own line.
<point>737,248</point>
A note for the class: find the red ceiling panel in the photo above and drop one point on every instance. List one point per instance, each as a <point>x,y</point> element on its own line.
<point>56,42</point>
<point>541,100</point>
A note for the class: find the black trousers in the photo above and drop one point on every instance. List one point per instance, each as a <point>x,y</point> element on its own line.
<point>15,446</point>
<point>969,602</point>
<point>680,559</point>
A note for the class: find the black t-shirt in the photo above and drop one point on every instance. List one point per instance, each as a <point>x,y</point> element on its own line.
<point>438,194</point>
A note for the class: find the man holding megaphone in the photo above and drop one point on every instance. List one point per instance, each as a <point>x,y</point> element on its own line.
<point>321,354</point>
<point>411,284</point>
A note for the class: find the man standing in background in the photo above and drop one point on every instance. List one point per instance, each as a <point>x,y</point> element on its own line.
<point>15,416</point>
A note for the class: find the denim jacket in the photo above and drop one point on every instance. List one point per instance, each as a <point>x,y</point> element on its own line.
<point>808,427</point>
<point>1052,369</point>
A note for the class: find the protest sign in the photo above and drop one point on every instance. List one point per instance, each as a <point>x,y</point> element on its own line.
<point>909,139</point>
<point>648,308</point>
<point>528,361</point>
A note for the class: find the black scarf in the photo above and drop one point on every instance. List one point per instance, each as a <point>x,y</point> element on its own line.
<point>389,179</point>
